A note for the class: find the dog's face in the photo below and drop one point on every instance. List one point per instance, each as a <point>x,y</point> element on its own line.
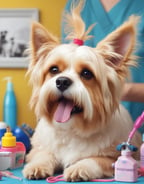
<point>79,85</point>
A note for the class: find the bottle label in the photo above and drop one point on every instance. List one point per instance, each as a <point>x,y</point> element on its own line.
<point>5,160</point>
<point>19,160</point>
<point>142,160</point>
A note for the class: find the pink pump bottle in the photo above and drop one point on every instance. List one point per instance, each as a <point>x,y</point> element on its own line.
<point>142,153</point>
<point>126,168</point>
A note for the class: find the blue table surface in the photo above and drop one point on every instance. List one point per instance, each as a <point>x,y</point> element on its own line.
<point>18,172</point>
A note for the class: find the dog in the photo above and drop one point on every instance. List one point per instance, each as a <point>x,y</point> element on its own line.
<point>76,96</point>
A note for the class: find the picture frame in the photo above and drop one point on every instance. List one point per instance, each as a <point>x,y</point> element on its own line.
<point>15,27</point>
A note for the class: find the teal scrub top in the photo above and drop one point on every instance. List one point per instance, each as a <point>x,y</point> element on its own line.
<point>106,22</point>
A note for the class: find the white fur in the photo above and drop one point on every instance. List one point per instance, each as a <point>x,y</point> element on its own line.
<point>72,146</point>
<point>84,146</point>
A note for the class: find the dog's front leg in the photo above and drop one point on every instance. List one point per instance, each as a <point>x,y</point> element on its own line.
<point>41,164</point>
<point>89,168</point>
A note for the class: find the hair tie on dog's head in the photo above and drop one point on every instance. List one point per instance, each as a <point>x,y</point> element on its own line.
<point>78,41</point>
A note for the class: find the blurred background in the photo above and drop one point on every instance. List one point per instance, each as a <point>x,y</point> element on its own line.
<point>50,14</point>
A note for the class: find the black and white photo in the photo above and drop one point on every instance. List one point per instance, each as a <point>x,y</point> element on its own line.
<point>14,36</point>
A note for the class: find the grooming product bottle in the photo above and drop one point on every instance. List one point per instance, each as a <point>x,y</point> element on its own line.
<point>10,105</point>
<point>142,153</point>
<point>15,149</point>
<point>126,168</point>
<point>8,144</point>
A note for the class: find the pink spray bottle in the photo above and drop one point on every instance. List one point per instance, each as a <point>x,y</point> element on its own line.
<point>126,167</point>
<point>142,153</point>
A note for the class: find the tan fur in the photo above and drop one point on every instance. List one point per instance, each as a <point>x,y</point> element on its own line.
<point>75,27</point>
<point>84,146</point>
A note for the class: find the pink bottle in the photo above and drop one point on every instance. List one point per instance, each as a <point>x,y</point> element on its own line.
<point>126,168</point>
<point>16,149</point>
<point>142,153</point>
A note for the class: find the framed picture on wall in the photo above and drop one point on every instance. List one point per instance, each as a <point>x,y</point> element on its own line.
<point>15,27</point>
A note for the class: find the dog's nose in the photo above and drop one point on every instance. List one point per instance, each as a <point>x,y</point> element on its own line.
<point>62,83</point>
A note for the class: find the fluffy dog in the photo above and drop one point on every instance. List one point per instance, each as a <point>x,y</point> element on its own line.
<point>76,97</point>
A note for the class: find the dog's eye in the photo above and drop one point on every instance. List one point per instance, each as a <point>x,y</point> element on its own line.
<point>54,70</point>
<point>86,74</point>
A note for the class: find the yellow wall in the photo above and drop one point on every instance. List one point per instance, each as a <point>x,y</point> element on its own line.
<point>50,12</point>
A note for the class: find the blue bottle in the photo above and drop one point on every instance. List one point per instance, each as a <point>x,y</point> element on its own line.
<point>10,105</point>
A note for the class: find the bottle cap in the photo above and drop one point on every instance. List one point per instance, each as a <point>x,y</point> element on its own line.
<point>9,83</point>
<point>8,140</point>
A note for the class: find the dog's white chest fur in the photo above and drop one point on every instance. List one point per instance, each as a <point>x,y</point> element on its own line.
<point>68,147</point>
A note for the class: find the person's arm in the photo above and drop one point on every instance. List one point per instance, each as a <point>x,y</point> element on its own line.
<point>133,92</point>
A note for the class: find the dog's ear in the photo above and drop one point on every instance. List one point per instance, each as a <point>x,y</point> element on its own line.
<point>118,46</point>
<point>41,38</point>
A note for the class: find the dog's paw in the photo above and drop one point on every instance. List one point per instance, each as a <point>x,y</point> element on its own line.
<point>37,171</point>
<point>83,170</point>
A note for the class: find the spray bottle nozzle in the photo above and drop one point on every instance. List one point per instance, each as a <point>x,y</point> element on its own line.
<point>125,146</point>
<point>9,83</point>
<point>7,78</point>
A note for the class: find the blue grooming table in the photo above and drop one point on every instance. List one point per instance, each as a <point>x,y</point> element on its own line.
<point>18,172</point>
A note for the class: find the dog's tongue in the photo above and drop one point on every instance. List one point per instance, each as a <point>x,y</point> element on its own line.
<point>63,111</point>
